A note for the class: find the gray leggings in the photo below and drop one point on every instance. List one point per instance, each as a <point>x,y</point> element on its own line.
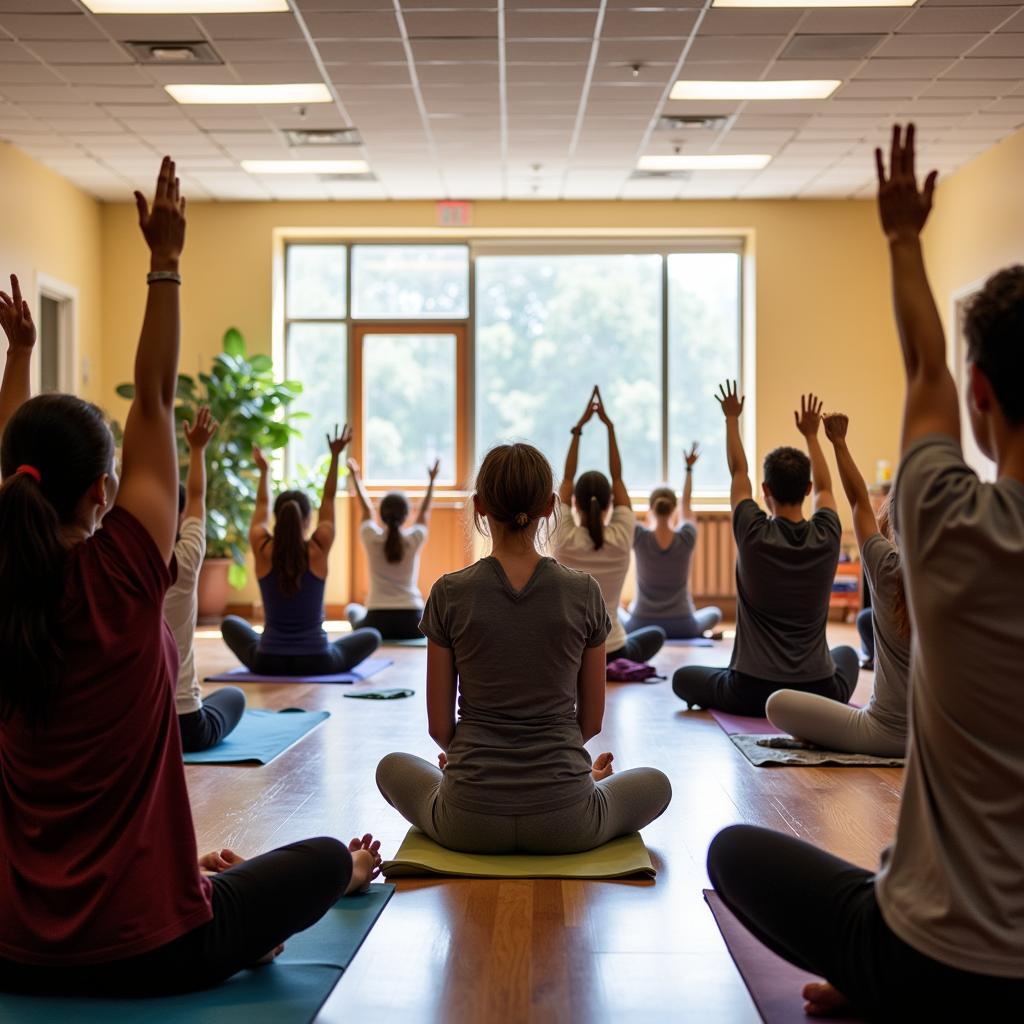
<point>834,726</point>
<point>617,806</point>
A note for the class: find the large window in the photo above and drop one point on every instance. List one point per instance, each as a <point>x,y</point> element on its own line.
<point>387,336</point>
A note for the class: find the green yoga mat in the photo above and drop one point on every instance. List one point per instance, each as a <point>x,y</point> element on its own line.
<point>621,858</point>
<point>289,991</point>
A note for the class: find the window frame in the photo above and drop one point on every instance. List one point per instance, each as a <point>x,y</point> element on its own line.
<point>496,243</point>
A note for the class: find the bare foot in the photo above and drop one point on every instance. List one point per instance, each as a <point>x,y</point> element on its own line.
<point>366,862</point>
<point>602,766</point>
<point>824,1000</point>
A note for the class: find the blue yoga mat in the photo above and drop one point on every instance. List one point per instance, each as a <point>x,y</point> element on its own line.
<point>697,641</point>
<point>368,668</point>
<point>290,991</point>
<point>260,736</point>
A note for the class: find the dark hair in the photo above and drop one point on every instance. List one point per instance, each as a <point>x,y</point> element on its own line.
<point>67,441</point>
<point>994,328</point>
<point>291,556</point>
<point>787,474</point>
<point>515,484</point>
<point>181,498</point>
<point>593,494</point>
<point>899,609</point>
<point>394,510</point>
<point>663,501</point>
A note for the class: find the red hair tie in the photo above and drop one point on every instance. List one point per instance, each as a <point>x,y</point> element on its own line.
<point>30,471</point>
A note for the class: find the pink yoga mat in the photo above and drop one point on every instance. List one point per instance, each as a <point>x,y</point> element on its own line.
<point>741,724</point>
<point>774,984</point>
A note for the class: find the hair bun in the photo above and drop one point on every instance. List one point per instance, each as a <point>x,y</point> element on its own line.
<point>522,519</point>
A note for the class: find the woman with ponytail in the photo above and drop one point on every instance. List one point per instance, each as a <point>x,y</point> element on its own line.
<point>292,573</point>
<point>395,604</point>
<point>663,550</point>
<point>601,541</point>
<point>101,888</point>
<point>515,688</point>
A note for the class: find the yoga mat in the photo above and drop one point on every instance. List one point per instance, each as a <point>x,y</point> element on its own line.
<point>260,737</point>
<point>765,751</point>
<point>774,984</point>
<point>733,725</point>
<point>695,641</point>
<point>381,695</point>
<point>420,641</point>
<point>290,991</point>
<point>621,858</point>
<point>368,668</point>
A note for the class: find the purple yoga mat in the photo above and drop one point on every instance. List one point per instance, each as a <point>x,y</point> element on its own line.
<point>365,670</point>
<point>774,984</point>
<point>741,724</point>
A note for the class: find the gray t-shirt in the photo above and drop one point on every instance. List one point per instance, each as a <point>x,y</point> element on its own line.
<point>952,884</point>
<point>888,704</point>
<point>517,747</point>
<point>784,577</point>
<point>663,574</point>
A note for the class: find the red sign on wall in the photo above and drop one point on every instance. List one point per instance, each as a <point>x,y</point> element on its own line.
<point>454,215</point>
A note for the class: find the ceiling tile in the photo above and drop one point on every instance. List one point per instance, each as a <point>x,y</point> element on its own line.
<point>735,48</point>
<point>948,87</point>
<point>719,22</point>
<point>250,26</point>
<point>11,53</point>
<point>1005,44</point>
<point>451,24</point>
<point>361,25</point>
<point>180,28</point>
<point>847,20</point>
<point>549,49</point>
<point>649,23</point>
<point>271,50</point>
<point>880,67</point>
<point>630,50</point>
<point>27,74</point>
<point>49,26</point>
<point>881,89</point>
<point>361,51</point>
<point>543,24</point>
<point>979,68</point>
<point>978,17</point>
<point>948,44</point>
<point>80,52</point>
<point>455,49</point>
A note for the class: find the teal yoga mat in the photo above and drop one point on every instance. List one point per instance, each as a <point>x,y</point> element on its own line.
<point>260,737</point>
<point>420,641</point>
<point>290,991</point>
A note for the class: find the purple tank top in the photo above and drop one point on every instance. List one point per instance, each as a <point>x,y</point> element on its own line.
<point>294,625</point>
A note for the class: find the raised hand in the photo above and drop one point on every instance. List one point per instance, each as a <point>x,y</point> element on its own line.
<point>602,413</point>
<point>602,767</point>
<point>731,402</point>
<point>163,223</point>
<point>433,470</point>
<point>692,455</point>
<point>808,419</point>
<point>260,459</point>
<point>836,424</point>
<point>199,434</point>
<point>353,467</point>
<point>16,318</point>
<point>339,442</point>
<point>588,413</point>
<point>903,207</point>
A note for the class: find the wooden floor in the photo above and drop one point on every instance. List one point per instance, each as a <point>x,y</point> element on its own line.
<point>513,951</point>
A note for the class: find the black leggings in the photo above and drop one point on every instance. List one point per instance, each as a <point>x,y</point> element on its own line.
<point>341,656</point>
<point>820,913</point>
<point>641,645</point>
<point>256,906</point>
<point>222,710</point>
<point>739,694</point>
<point>391,623</point>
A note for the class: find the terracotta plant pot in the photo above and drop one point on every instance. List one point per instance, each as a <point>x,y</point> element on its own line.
<point>213,589</point>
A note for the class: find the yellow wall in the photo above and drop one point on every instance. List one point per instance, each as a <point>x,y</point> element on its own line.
<point>49,227</point>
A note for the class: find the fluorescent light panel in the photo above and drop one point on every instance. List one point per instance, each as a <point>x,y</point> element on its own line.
<point>813,3</point>
<point>305,166</point>
<point>300,92</point>
<point>186,6</point>
<point>704,162</point>
<point>810,89</point>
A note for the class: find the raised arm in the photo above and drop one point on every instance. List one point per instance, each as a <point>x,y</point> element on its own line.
<point>149,460</point>
<point>620,496</point>
<point>808,419</point>
<point>690,458</point>
<point>365,504</point>
<point>198,436</point>
<point>424,514</point>
<point>931,405</point>
<point>573,456</point>
<point>16,318</point>
<point>323,535</point>
<point>259,528</point>
<point>865,525</point>
<point>732,408</point>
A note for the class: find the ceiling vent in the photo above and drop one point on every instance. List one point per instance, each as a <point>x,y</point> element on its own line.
<point>664,175</point>
<point>691,123</point>
<point>168,54</point>
<point>323,137</point>
<point>368,176</point>
<point>825,47</point>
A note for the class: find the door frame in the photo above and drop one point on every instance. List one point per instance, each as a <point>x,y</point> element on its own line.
<point>66,296</point>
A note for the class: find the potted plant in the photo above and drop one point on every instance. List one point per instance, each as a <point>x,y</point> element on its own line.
<point>248,402</point>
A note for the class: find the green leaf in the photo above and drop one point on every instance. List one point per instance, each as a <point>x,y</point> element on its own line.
<point>261,363</point>
<point>234,343</point>
<point>126,390</point>
<point>237,575</point>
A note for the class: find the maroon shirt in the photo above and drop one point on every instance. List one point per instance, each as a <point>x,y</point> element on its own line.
<point>97,848</point>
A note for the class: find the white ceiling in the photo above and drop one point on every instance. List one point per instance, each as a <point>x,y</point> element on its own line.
<point>473,99</point>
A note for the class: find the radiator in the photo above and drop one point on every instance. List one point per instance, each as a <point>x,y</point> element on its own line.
<point>713,572</point>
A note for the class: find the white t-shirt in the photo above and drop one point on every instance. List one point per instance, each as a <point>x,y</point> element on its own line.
<point>393,584</point>
<point>609,564</point>
<point>952,884</point>
<point>180,612</point>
